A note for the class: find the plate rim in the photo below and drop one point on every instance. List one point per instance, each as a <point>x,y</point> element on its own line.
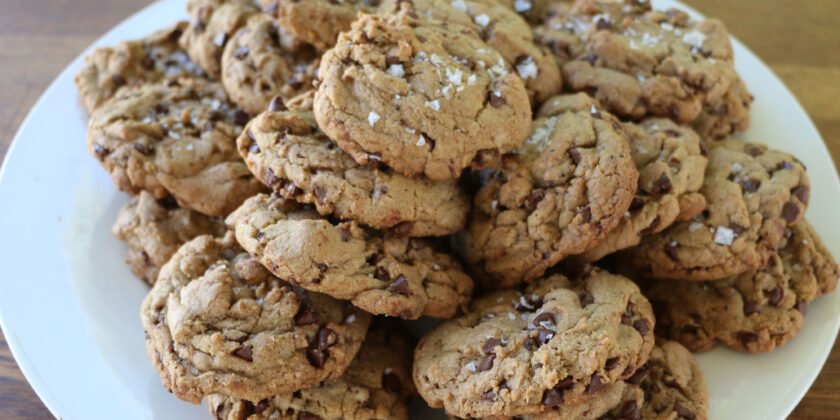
<point>44,391</point>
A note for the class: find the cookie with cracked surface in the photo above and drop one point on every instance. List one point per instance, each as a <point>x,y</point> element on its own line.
<point>176,137</point>
<point>421,97</point>
<point>754,312</point>
<point>563,191</point>
<point>514,353</point>
<point>382,274</point>
<point>258,65</point>
<point>502,29</point>
<point>671,165</point>
<point>288,152</point>
<point>212,24</point>
<point>730,114</point>
<point>376,385</point>
<point>752,193</point>
<point>639,62</point>
<point>133,63</point>
<point>155,229</point>
<point>218,322</point>
<point>669,386</point>
<point>318,22</point>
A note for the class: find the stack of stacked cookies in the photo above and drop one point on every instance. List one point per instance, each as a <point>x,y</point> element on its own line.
<point>309,175</point>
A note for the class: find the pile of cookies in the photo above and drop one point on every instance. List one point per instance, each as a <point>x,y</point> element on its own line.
<point>556,179</point>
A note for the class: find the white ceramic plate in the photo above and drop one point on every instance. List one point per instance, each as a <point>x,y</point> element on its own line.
<point>69,305</point>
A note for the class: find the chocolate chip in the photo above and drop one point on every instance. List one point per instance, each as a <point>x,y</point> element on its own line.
<point>345,233</point>
<point>148,62</point>
<point>391,382</point>
<point>242,339</point>
<point>585,299</point>
<point>276,104</point>
<point>611,363</point>
<point>641,326</point>
<point>802,306</point>
<point>747,338</point>
<point>242,52</point>
<point>100,151</point>
<point>490,344</point>
<point>496,101</point>
<point>636,204</point>
<point>750,185</point>
<point>790,212</point>
<point>220,39</point>
<point>291,189</point>
<point>324,335</point>
<point>754,151</point>
<point>738,229</point>
<point>575,155</point>
<point>489,395</point>
<point>486,362</point>
<point>304,415</point>
<point>671,251</point>
<point>145,149</point>
<point>630,411</point>
<point>651,228</point>
<point>240,117</point>
<point>662,185</point>
<point>603,24</point>
<point>320,193</point>
<point>802,193</point>
<point>401,229</point>
<point>683,411</point>
<point>544,336</point>
<point>595,384</point>
<point>533,199</point>
<point>585,214</point>
<point>543,317</point>
<point>305,315</point>
<point>400,286</point>
<point>637,377</point>
<point>774,296</point>
<point>118,80</point>
<point>261,406</point>
<point>751,308</point>
<point>784,165</point>
<point>245,353</point>
<point>470,64</point>
<point>381,274</point>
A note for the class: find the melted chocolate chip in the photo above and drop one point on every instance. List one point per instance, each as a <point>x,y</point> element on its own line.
<point>400,286</point>
<point>276,104</point>
<point>291,189</point>
<point>270,178</point>
<point>662,185</point>
<point>747,338</point>
<point>638,377</point>
<point>603,24</point>
<point>738,229</point>
<point>486,362</point>
<point>381,274</point>
<point>641,326</point>
<point>306,315</point>
<point>750,185</point>
<point>575,155</point>
<point>345,233</point>
<point>320,193</point>
<point>490,344</point>
<point>751,308</point>
<point>774,296</point>
<point>611,363</point>
<point>802,193</point>
<point>245,353</point>
<point>496,101</point>
<point>585,214</point>
<point>324,335</point>
<point>790,212</point>
<point>683,411</point>
<point>595,384</point>
<point>533,199</point>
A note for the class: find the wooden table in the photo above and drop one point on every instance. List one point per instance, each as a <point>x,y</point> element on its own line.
<point>799,40</point>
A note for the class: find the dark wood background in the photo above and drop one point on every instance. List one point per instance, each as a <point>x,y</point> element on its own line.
<point>800,40</point>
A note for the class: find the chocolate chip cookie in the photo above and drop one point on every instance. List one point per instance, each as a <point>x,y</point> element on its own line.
<point>175,137</point>
<point>669,386</point>
<point>671,166</point>
<point>502,29</point>
<point>382,274</point>
<point>639,62</point>
<point>259,65</point>
<point>559,195</point>
<point>755,311</point>
<point>155,229</point>
<point>287,151</point>
<point>753,193</point>
<point>318,22</point>
<point>376,385</point>
<point>217,321</point>
<point>133,63</point>
<point>516,353</point>
<point>212,24</point>
<point>419,96</point>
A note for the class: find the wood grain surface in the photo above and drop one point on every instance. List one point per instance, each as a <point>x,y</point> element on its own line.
<point>798,39</point>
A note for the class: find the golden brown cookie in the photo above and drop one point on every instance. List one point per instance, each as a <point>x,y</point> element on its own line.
<point>421,97</point>
<point>563,191</point>
<point>375,386</point>
<point>756,311</point>
<point>133,63</point>
<point>318,22</point>
<point>753,193</point>
<point>261,62</point>
<point>217,321</point>
<point>382,274</point>
<point>174,138</point>
<point>286,150</point>
<point>155,229</point>
<point>516,353</point>
<point>212,24</point>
